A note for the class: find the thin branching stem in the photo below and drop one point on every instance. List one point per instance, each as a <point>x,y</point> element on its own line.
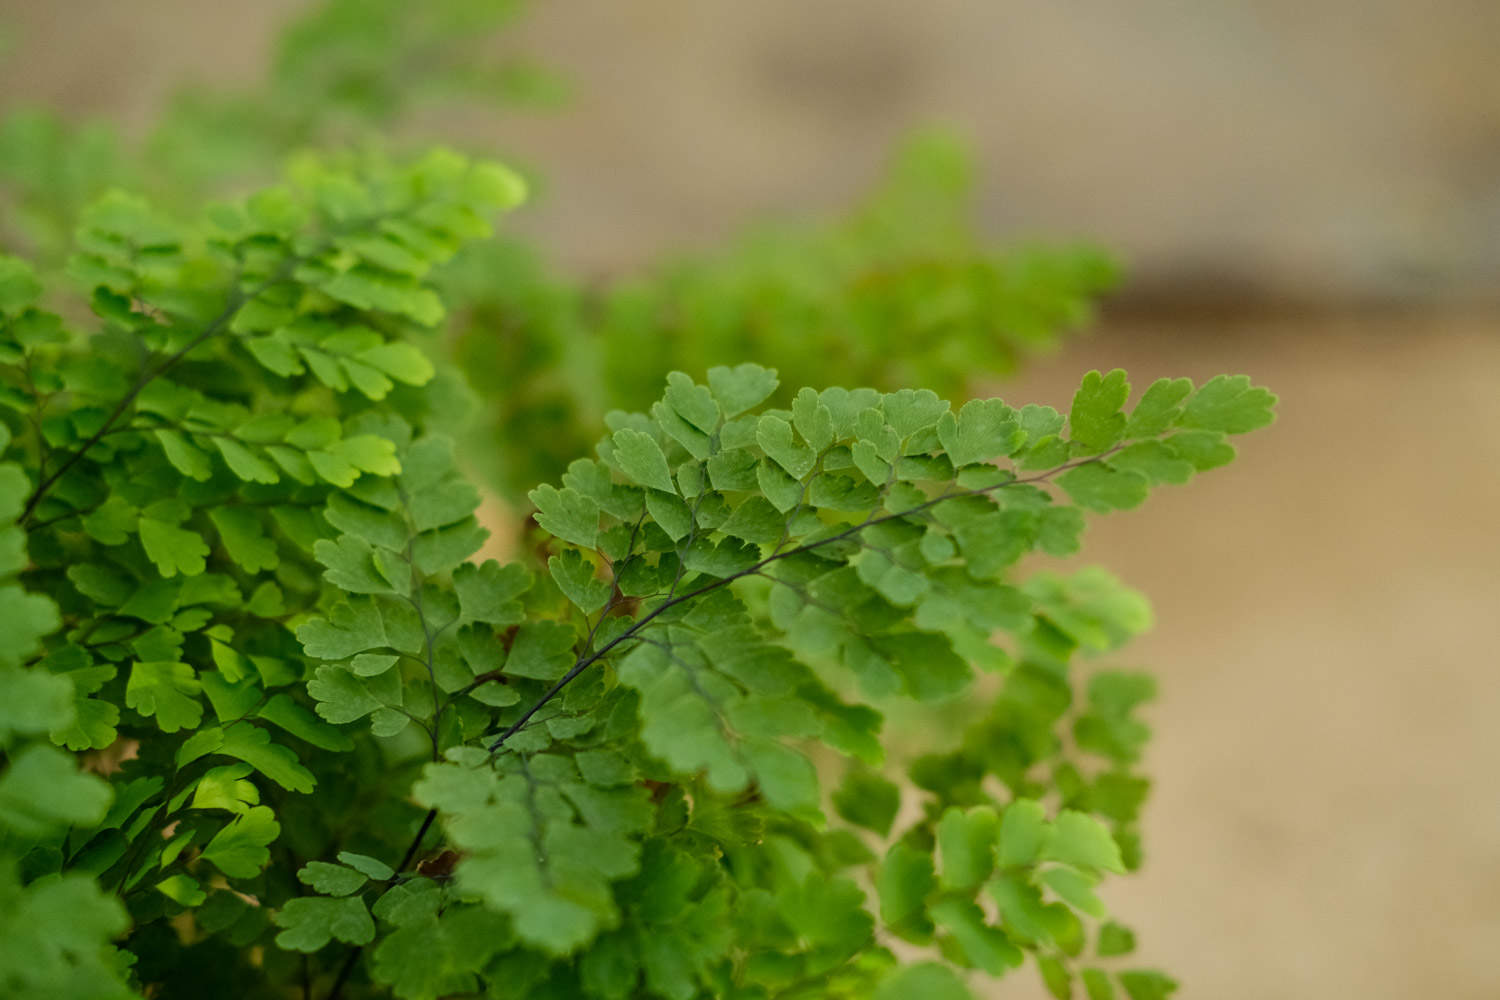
<point>588,659</point>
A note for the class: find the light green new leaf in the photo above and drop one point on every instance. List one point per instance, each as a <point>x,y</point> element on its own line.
<point>166,690</point>
<point>275,354</point>
<point>226,788</point>
<point>369,453</point>
<point>240,850</point>
<point>182,889</point>
<point>401,361</point>
<point>252,745</point>
<point>1057,977</point>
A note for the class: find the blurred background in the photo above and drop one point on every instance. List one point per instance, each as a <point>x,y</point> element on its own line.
<point>1306,193</point>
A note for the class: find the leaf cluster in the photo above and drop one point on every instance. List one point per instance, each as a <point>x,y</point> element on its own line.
<point>727,588</point>
<point>166,511</point>
<point>249,553</point>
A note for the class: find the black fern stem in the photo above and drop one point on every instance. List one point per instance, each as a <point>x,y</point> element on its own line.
<point>633,632</point>
<point>219,323</point>
<point>345,970</point>
<point>238,299</point>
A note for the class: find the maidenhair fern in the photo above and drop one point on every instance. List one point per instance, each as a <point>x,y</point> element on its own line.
<point>326,750</point>
<point>268,727</point>
<point>899,290</point>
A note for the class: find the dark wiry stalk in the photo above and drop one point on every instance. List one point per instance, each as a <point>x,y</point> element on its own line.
<point>216,325</point>
<point>352,958</point>
<point>632,632</point>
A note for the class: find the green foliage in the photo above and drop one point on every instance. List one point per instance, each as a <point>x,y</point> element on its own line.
<point>261,575</point>
<point>57,926</point>
<point>733,587</point>
<point>900,291</point>
<point>269,723</point>
<point>343,73</point>
<point>176,494</point>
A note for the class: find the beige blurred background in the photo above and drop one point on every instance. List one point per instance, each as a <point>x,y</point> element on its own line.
<point>1305,192</point>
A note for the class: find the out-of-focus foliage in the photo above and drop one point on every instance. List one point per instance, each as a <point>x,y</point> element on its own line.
<point>901,290</point>
<point>55,928</point>
<point>347,73</point>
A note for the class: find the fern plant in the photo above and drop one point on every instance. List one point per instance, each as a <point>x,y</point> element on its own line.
<point>900,290</point>
<point>270,730</point>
